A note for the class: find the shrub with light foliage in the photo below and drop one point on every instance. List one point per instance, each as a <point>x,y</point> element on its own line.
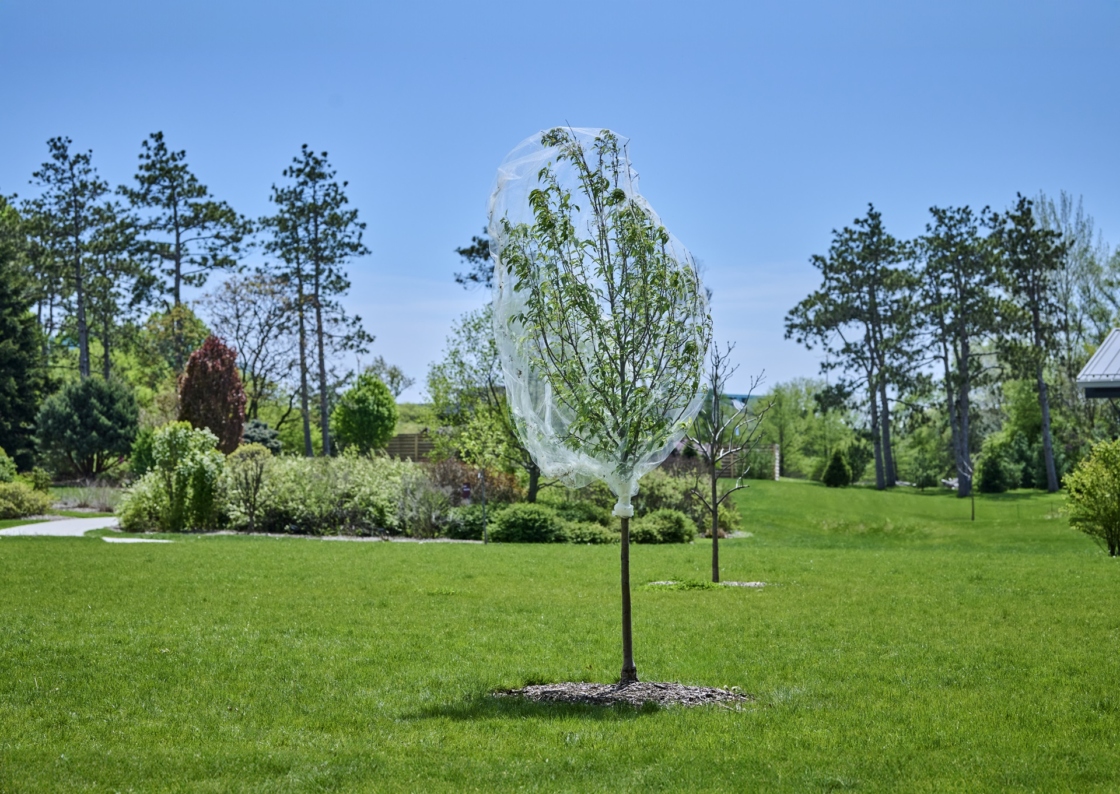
<point>181,491</point>
<point>19,500</point>
<point>1093,501</point>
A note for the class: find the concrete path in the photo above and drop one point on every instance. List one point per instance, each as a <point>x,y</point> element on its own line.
<point>65,528</point>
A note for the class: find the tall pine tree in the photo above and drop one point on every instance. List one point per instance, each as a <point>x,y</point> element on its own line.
<point>314,234</point>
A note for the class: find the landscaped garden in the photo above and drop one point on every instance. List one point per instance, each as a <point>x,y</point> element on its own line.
<point>896,645</point>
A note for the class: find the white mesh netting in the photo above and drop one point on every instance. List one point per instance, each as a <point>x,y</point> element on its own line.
<point>599,313</point>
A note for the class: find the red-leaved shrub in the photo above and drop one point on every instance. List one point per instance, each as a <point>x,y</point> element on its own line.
<point>211,394</point>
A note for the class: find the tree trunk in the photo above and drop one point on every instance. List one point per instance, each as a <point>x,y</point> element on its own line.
<point>83,327</point>
<point>534,483</point>
<point>105,361</point>
<point>876,441</point>
<point>304,400</point>
<point>324,415</point>
<point>629,671</point>
<point>715,524</point>
<point>954,428</point>
<point>889,472</point>
<point>964,386</point>
<point>1047,440</point>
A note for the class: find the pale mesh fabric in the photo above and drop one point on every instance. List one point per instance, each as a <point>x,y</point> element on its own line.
<point>542,421</point>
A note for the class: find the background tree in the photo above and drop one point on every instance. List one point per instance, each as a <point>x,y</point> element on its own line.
<point>722,432</point>
<point>1029,257</point>
<point>1093,503</point>
<point>314,235</point>
<point>391,375</point>
<point>467,390</point>
<point>365,415</point>
<point>119,283</point>
<point>254,314</point>
<point>182,226</point>
<point>481,266</point>
<point>88,426</point>
<point>863,317</point>
<point>211,395</point>
<point>22,371</point>
<point>64,219</point>
<point>958,276</point>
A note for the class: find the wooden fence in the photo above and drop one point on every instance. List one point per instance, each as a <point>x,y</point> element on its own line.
<point>410,446</point>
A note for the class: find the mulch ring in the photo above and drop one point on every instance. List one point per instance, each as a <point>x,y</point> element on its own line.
<point>635,694</point>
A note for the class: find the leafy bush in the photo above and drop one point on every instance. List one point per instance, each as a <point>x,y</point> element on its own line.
<point>663,526</point>
<point>7,467</point>
<point>258,432</point>
<point>837,474</point>
<point>88,426</point>
<point>591,532</point>
<point>1092,502</point>
<point>140,460</point>
<point>180,492</point>
<point>858,455</point>
<point>39,479</point>
<point>997,471</point>
<point>528,523</point>
<point>18,500</point>
<point>211,396</point>
<point>423,508</point>
<point>350,494</point>
<point>246,469</point>
<point>585,512</point>
<point>365,415</point>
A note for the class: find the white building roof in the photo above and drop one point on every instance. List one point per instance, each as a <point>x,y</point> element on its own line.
<point>1103,369</point>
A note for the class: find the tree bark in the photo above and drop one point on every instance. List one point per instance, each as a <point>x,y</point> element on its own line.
<point>715,522</point>
<point>534,483</point>
<point>876,440</point>
<point>105,360</point>
<point>889,472</point>
<point>304,401</point>
<point>1047,440</point>
<point>324,415</point>
<point>629,673</point>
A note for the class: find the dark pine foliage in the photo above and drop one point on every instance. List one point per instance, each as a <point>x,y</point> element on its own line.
<point>211,395</point>
<point>88,426</point>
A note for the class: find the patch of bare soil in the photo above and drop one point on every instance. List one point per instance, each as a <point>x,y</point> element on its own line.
<point>634,694</point>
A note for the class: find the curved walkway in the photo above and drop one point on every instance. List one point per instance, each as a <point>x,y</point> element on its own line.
<point>63,528</point>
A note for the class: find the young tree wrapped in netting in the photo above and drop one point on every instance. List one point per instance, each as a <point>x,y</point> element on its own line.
<point>600,318</point>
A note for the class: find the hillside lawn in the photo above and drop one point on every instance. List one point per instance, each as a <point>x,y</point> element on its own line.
<point>897,646</point>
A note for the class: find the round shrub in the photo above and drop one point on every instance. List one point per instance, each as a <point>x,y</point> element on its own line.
<point>997,471</point>
<point>584,512</point>
<point>663,526</point>
<point>591,532</point>
<point>528,523</point>
<point>1091,504</point>
<point>365,415</point>
<point>19,500</point>
<point>258,432</point>
<point>836,473</point>
<point>140,458</point>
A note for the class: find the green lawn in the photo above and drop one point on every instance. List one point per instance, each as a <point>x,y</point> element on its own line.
<point>899,647</point>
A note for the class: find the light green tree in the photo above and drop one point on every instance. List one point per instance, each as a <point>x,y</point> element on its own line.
<point>601,322</point>
<point>1093,501</point>
<point>365,415</point>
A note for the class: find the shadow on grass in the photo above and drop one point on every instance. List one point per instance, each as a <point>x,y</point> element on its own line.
<point>487,707</point>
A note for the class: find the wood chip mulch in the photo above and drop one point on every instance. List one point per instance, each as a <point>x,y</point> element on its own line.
<point>634,694</point>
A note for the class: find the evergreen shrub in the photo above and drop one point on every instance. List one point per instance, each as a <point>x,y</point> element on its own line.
<point>88,426</point>
<point>837,474</point>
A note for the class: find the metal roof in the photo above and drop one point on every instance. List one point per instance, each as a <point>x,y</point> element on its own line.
<point>1103,369</point>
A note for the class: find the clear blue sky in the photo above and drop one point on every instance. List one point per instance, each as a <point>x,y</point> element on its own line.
<point>757,127</point>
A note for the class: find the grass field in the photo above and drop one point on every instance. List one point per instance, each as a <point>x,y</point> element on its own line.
<point>899,646</point>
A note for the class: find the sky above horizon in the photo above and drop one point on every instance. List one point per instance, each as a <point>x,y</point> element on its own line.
<point>757,128</point>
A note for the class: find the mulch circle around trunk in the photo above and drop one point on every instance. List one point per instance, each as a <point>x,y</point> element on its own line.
<point>635,694</point>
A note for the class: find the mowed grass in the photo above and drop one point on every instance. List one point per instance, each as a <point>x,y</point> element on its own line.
<point>898,646</point>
